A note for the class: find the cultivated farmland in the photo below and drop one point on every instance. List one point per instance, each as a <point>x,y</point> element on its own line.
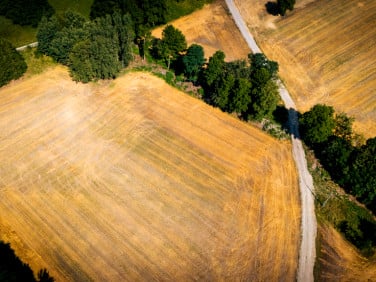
<point>213,28</point>
<point>339,261</point>
<point>134,180</point>
<point>326,51</point>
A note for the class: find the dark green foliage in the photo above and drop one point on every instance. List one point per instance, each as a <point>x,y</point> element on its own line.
<point>221,93</point>
<point>331,137</point>
<point>26,12</point>
<point>239,96</point>
<point>144,13</point>
<point>343,128</point>
<point>193,61</point>
<point>171,45</point>
<point>363,173</point>
<point>317,124</point>
<point>124,30</point>
<point>213,69</point>
<point>264,100</point>
<point>259,61</point>
<point>92,50</point>
<point>335,156</point>
<point>58,35</point>
<point>12,64</point>
<point>249,90</point>
<point>284,5</point>
<point>47,31</point>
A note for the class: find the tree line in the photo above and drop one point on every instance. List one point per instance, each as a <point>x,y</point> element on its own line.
<point>92,50</point>
<point>350,163</point>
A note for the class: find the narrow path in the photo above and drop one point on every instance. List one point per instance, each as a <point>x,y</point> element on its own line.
<point>307,252</point>
<point>34,44</point>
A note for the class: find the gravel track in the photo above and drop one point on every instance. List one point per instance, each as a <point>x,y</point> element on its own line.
<point>307,252</point>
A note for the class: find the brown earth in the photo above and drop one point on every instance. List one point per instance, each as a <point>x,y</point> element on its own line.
<point>213,28</point>
<point>134,180</point>
<point>326,53</point>
<point>339,260</point>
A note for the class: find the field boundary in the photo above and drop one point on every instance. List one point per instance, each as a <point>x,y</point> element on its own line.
<point>307,252</point>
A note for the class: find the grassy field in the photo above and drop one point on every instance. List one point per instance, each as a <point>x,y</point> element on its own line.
<point>326,54</point>
<point>80,6</point>
<point>134,180</point>
<point>212,27</point>
<point>16,34</point>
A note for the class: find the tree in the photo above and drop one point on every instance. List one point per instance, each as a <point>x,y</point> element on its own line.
<point>317,124</point>
<point>284,5</point>
<point>343,126</point>
<point>97,57</point>
<point>58,35</point>
<point>213,69</point>
<point>363,176</point>
<point>124,28</point>
<point>47,30</point>
<point>335,158</point>
<point>264,100</point>
<point>240,96</point>
<point>259,61</point>
<point>172,44</point>
<point>12,64</point>
<point>193,61</point>
<point>220,95</point>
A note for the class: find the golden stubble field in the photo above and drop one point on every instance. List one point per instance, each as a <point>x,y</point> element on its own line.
<point>134,180</point>
<point>340,261</point>
<point>213,28</point>
<point>326,52</point>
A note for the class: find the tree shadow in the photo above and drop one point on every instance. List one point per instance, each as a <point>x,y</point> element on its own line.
<point>11,267</point>
<point>272,8</point>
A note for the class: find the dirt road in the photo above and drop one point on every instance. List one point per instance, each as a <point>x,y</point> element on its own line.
<point>307,253</point>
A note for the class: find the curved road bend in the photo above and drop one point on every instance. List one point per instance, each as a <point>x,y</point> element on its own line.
<point>307,252</point>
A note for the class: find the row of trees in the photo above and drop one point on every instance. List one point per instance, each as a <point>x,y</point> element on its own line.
<point>12,63</point>
<point>350,164</point>
<point>247,88</point>
<point>92,50</point>
<point>26,12</point>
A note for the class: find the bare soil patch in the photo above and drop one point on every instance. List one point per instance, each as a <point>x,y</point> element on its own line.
<point>134,180</point>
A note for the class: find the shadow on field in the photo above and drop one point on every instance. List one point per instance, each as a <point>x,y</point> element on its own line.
<point>288,119</point>
<point>11,267</point>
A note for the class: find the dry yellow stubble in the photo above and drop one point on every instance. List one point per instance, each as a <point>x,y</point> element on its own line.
<point>134,180</point>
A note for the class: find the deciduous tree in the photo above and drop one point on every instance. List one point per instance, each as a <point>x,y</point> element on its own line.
<point>193,61</point>
<point>12,64</point>
<point>317,124</point>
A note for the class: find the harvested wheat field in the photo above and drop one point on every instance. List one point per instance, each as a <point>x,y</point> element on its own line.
<point>213,28</point>
<point>326,53</point>
<point>134,180</point>
<point>339,261</point>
